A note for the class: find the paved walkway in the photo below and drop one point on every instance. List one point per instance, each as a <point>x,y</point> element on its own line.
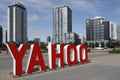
<point>101,68</point>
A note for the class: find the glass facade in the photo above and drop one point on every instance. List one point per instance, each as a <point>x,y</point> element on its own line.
<point>97,29</point>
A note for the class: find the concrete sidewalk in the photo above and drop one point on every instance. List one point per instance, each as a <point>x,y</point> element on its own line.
<point>101,68</point>
<point>109,60</point>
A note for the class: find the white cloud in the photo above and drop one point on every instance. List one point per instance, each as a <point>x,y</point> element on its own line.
<point>3,6</point>
<point>34,1</point>
<point>46,6</point>
<point>88,6</point>
<point>39,5</point>
<point>35,32</point>
<point>3,21</point>
<point>117,11</point>
<point>33,17</point>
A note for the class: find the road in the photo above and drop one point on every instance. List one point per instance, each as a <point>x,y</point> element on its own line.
<point>103,66</point>
<point>6,59</point>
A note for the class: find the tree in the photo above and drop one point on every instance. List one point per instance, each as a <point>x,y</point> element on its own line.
<point>108,44</point>
<point>118,44</point>
<point>2,46</point>
<point>96,44</point>
<point>93,45</point>
<point>43,47</point>
<point>86,43</point>
<point>102,44</point>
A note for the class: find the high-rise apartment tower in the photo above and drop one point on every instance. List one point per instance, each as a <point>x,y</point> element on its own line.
<point>62,23</point>
<point>17,23</point>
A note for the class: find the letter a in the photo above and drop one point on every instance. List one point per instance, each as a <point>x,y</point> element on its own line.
<point>35,59</point>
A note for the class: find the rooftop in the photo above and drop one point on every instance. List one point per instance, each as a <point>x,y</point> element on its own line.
<point>18,4</point>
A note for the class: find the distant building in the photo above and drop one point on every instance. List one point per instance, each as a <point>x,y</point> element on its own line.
<point>36,40</point>
<point>72,38</point>
<point>5,36</point>
<point>30,42</point>
<point>97,30</point>
<point>48,39</point>
<point>17,23</point>
<point>1,34</point>
<point>114,31</point>
<point>118,32</point>
<point>82,39</point>
<point>62,23</point>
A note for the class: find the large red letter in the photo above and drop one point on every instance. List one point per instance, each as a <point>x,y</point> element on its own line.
<point>55,53</point>
<point>17,56</point>
<point>35,58</point>
<point>71,55</point>
<point>82,54</point>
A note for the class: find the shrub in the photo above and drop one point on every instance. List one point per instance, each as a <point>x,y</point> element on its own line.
<point>117,51</point>
<point>88,50</point>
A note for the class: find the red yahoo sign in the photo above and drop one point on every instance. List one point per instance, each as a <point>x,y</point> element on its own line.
<point>68,54</point>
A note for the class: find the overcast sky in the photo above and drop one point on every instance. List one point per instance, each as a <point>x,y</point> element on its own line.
<point>40,14</point>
